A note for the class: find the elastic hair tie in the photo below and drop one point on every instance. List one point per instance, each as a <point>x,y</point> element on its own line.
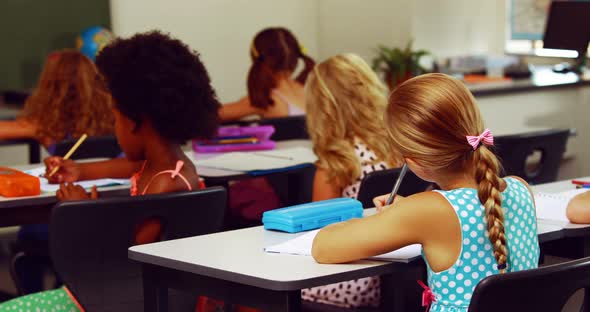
<point>485,137</point>
<point>302,49</point>
<point>253,50</point>
<point>502,266</point>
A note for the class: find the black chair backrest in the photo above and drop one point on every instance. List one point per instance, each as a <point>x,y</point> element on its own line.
<point>89,241</point>
<point>287,128</point>
<point>381,182</point>
<point>544,289</point>
<point>514,151</point>
<point>93,147</point>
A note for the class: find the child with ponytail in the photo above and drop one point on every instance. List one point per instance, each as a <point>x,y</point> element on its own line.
<point>476,225</point>
<point>272,90</point>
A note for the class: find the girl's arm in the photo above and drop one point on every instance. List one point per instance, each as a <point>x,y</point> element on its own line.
<point>322,188</point>
<point>578,209</point>
<point>70,171</point>
<point>237,110</point>
<point>420,218</point>
<point>17,129</point>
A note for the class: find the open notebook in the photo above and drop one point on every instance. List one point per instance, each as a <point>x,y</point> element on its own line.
<point>49,188</point>
<point>552,206</point>
<point>260,161</point>
<point>301,245</point>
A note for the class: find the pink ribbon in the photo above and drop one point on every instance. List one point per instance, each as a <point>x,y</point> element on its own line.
<point>427,295</point>
<point>486,137</point>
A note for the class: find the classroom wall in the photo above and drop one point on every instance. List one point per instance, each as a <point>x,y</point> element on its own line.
<point>444,27</point>
<point>359,26</point>
<point>459,27</point>
<point>221,30</point>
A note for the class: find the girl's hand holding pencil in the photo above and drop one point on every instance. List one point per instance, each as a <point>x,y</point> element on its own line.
<point>68,170</point>
<point>56,164</point>
<point>380,201</point>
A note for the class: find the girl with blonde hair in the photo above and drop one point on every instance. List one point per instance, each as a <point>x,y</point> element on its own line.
<point>346,102</point>
<point>477,225</point>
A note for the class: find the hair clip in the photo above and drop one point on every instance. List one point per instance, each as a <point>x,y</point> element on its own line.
<point>302,49</point>
<point>485,137</point>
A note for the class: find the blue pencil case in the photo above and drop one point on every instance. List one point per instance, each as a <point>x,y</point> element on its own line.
<point>311,216</point>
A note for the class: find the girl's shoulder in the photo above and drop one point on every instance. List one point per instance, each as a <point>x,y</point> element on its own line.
<point>430,205</point>
<point>518,183</point>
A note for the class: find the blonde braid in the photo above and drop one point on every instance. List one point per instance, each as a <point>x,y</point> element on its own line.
<point>489,190</point>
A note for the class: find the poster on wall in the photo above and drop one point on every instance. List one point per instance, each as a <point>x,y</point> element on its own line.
<point>528,18</point>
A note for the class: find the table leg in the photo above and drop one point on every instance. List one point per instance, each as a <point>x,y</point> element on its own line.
<point>299,185</point>
<point>155,298</point>
<point>34,152</point>
<point>400,291</point>
<point>290,301</point>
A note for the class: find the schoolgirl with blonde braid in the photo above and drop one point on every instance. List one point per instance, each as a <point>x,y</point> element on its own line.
<point>476,225</point>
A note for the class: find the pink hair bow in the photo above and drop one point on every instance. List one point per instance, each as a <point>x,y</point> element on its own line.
<point>486,137</point>
<point>427,295</point>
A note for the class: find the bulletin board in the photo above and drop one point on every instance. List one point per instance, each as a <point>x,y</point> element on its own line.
<point>31,29</point>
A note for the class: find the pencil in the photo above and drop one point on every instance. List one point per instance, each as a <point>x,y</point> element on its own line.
<point>397,184</point>
<point>69,153</point>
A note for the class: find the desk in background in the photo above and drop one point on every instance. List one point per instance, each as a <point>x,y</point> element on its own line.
<point>10,112</point>
<point>294,184</point>
<point>36,209</point>
<point>546,100</point>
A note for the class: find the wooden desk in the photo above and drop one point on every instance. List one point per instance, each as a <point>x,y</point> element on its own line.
<point>233,267</point>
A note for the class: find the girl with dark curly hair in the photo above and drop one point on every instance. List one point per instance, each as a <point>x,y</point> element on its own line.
<point>162,97</point>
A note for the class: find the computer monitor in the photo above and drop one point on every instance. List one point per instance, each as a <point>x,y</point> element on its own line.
<point>568,28</point>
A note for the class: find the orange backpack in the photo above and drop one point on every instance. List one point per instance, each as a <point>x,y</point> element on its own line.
<point>14,183</point>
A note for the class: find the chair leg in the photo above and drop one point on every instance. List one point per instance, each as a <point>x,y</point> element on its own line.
<point>27,272</point>
<point>585,302</point>
<point>13,272</point>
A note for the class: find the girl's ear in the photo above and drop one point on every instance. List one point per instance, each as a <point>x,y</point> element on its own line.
<point>417,169</point>
<point>410,162</point>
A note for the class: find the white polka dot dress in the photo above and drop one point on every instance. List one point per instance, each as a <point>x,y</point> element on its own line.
<point>360,292</point>
<point>453,287</point>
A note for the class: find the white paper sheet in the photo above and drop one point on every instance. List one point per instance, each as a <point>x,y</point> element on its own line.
<point>301,245</point>
<point>552,206</point>
<point>261,160</point>
<point>49,188</point>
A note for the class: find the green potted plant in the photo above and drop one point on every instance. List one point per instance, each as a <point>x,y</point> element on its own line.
<point>397,65</point>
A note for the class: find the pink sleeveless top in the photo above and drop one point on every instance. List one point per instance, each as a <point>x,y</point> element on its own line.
<point>149,231</point>
<point>294,110</point>
<point>173,174</point>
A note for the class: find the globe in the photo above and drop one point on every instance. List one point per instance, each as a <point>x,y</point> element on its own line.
<point>92,40</point>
